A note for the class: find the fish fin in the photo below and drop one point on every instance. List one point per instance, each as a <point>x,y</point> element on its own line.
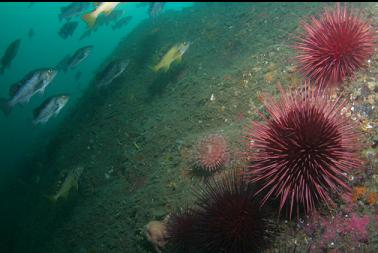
<point>89,19</point>
<point>179,59</point>
<point>34,123</point>
<point>76,186</point>
<point>155,68</point>
<point>65,194</point>
<point>41,92</point>
<point>107,12</point>
<point>37,110</point>
<point>4,106</point>
<point>51,199</point>
<point>166,67</point>
<point>14,88</point>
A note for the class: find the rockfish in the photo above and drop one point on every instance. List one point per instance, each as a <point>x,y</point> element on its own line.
<point>174,54</point>
<point>71,181</point>
<point>50,107</point>
<point>104,7</point>
<point>34,82</point>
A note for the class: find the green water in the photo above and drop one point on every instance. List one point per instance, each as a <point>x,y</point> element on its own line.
<point>138,139</point>
<point>19,139</point>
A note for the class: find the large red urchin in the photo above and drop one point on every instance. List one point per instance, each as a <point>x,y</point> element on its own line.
<point>211,152</point>
<point>303,152</point>
<point>334,46</point>
<point>225,218</point>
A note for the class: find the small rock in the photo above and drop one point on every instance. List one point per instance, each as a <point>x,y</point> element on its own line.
<point>290,69</point>
<point>363,109</point>
<point>371,85</point>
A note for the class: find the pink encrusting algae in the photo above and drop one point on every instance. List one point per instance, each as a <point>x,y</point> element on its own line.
<point>303,152</point>
<point>340,227</point>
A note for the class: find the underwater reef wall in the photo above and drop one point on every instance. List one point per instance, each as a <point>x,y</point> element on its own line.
<point>134,138</point>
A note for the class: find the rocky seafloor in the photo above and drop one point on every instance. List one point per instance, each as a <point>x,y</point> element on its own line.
<point>135,138</point>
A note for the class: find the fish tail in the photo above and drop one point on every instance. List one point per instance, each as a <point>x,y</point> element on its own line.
<point>51,199</point>
<point>34,123</point>
<point>179,59</point>
<point>107,12</point>
<point>155,68</point>
<point>166,68</point>
<point>5,107</point>
<point>90,19</point>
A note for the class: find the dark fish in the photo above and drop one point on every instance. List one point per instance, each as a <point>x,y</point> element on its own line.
<point>113,16</point>
<point>68,29</point>
<point>20,93</point>
<point>113,70</point>
<point>73,10</point>
<point>31,33</point>
<point>62,65</point>
<point>9,55</point>
<point>87,33</point>
<point>122,22</point>
<point>155,9</point>
<point>71,61</point>
<point>80,55</point>
<point>100,21</point>
<point>50,107</point>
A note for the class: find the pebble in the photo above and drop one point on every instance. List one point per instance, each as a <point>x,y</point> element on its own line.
<point>290,69</point>
<point>363,109</point>
<point>371,85</point>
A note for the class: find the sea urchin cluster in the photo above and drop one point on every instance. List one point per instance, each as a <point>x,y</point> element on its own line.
<point>304,150</point>
<point>225,218</point>
<point>334,46</point>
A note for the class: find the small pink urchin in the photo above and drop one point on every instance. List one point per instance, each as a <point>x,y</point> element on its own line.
<point>334,47</point>
<point>211,152</point>
<point>302,153</point>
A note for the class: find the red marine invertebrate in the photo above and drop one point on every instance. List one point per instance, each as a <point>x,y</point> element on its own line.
<point>334,46</point>
<point>180,231</point>
<point>211,152</point>
<point>225,218</point>
<point>303,152</point>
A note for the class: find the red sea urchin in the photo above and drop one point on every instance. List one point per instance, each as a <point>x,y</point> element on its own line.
<point>333,47</point>
<point>211,152</point>
<point>303,152</point>
<point>225,218</point>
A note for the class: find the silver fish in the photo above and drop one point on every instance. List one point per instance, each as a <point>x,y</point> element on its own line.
<point>50,107</point>
<point>80,55</point>
<point>20,93</point>
<point>111,72</point>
